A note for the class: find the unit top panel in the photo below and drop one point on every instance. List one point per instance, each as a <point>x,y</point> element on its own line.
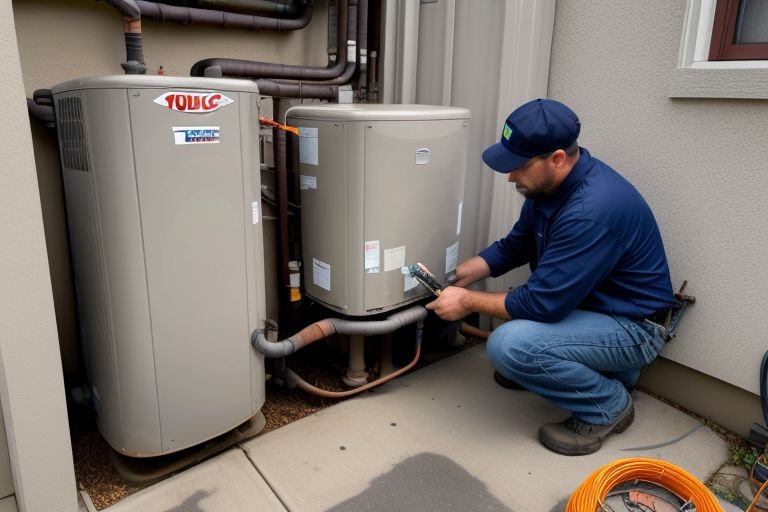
<point>156,82</point>
<point>377,112</point>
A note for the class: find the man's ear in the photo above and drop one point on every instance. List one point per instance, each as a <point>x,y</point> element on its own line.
<point>558,157</point>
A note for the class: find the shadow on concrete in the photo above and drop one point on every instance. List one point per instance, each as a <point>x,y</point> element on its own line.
<point>424,482</point>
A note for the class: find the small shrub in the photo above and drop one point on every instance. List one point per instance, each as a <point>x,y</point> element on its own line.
<point>743,456</point>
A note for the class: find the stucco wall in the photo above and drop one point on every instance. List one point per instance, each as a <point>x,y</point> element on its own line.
<point>31,388</point>
<point>699,163</point>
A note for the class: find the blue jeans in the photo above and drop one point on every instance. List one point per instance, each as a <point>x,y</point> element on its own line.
<point>585,363</point>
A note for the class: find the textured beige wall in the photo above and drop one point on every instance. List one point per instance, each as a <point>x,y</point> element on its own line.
<point>31,389</point>
<point>64,39</point>
<point>699,163</point>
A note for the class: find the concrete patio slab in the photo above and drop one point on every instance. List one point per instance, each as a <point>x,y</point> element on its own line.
<point>448,438</point>
<point>228,483</point>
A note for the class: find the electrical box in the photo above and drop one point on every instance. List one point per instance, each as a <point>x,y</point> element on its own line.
<point>381,187</point>
<point>162,185</point>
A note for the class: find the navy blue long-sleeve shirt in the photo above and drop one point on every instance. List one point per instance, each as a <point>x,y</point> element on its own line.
<point>593,244</point>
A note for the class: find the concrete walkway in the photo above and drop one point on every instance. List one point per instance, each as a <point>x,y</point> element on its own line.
<point>444,438</point>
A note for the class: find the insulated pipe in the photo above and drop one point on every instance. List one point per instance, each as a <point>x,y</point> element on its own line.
<point>134,54</point>
<point>128,8</point>
<point>342,79</point>
<point>134,62</point>
<point>326,327</point>
<point>254,69</point>
<point>300,90</point>
<point>292,379</point>
<point>362,44</point>
<point>43,113</point>
<point>190,15</point>
<point>276,8</point>
<point>279,146</point>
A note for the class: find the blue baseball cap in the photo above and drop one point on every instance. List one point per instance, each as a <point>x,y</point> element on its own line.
<point>535,128</point>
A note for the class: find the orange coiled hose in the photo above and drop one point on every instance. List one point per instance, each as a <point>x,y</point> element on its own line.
<point>592,492</point>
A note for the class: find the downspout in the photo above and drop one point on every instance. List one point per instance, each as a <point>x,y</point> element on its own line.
<point>191,15</point>
<point>254,69</point>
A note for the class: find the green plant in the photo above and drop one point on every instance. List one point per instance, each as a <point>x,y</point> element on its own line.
<point>743,456</point>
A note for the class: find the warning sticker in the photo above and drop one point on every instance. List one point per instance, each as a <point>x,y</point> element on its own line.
<point>307,182</point>
<point>321,274</point>
<point>451,258</point>
<point>308,146</point>
<point>372,257</point>
<point>196,135</point>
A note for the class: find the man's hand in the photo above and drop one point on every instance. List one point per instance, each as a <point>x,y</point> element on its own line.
<point>454,303</point>
<point>470,271</point>
<point>450,304</point>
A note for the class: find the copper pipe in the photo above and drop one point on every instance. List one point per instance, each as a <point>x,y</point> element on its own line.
<point>473,332</point>
<point>291,378</point>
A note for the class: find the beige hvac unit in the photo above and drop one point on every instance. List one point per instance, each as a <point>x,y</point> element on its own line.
<point>381,187</point>
<point>162,187</point>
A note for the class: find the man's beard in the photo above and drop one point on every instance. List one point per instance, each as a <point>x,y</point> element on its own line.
<point>533,196</point>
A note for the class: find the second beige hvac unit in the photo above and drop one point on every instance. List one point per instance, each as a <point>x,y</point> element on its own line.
<point>381,187</point>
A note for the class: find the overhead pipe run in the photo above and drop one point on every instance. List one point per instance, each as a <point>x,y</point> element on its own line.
<point>133,10</point>
<point>255,69</point>
<point>271,8</point>
<point>190,16</point>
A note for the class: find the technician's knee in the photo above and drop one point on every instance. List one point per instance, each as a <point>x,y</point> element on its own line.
<point>511,345</point>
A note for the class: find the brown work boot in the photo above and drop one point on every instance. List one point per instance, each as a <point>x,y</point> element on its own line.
<point>506,383</point>
<point>576,437</point>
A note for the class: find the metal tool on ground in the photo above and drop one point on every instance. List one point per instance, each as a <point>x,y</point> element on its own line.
<point>422,274</point>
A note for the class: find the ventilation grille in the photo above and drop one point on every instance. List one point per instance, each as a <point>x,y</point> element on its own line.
<point>74,153</point>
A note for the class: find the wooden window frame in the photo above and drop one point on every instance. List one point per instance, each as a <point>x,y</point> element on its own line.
<point>723,32</point>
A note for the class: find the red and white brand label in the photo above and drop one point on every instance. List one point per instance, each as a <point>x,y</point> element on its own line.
<point>193,102</point>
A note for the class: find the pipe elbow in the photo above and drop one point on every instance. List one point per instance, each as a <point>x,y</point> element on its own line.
<point>270,349</point>
<point>128,8</point>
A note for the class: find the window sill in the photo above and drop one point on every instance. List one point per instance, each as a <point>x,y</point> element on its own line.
<point>708,81</point>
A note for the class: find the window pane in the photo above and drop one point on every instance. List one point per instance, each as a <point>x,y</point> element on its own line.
<point>752,22</point>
